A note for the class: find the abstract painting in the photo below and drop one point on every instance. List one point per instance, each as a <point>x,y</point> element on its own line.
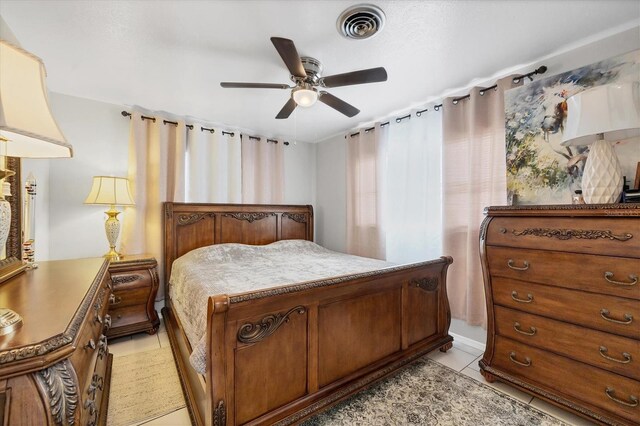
<point>539,170</point>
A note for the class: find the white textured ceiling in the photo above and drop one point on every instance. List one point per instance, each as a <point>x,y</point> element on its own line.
<point>172,55</point>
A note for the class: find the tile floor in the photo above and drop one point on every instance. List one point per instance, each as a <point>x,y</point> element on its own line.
<point>461,357</point>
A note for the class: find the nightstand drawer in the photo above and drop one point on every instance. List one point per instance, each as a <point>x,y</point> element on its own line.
<point>131,279</point>
<point>126,316</point>
<point>594,386</point>
<point>134,296</point>
<point>620,237</point>
<point>607,313</point>
<point>615,353</point>
<point>617,276</point>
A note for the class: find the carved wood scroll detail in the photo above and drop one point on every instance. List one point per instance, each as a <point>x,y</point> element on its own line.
<point>220,414</point>
<point>123,279</point>
<point>249,217</point>
<point>59,384</point>
<point>188,219</point>
<point>567,234</point>
<point>255,332</point>
<point>426,284</point>
<point>297,217</point>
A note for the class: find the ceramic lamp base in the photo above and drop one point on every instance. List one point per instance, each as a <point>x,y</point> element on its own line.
<point>112,228</point>
<point>602,176</point>
<point>9,321</point>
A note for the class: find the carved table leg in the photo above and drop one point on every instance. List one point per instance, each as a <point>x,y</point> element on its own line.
<point>153,330</point>
<point>446,347</point>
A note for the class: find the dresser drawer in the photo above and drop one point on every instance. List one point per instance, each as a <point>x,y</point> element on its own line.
<point>92,394</point>
<point>591,385</point>
<point>617,276</point>
<point>607,313</point>
<point>619,237</point>
<point>92,333</point>
<point>609,351</point>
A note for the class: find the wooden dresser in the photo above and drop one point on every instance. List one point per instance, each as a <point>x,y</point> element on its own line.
<point>563,305</point>
<point>56,368</point>
<point>135,285</point>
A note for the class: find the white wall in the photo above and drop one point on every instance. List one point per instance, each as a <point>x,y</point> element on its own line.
<point>65,227</point>
<point>331,194</point>
<point>331,153</point>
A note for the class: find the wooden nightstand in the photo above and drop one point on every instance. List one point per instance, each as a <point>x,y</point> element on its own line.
<point>135,284</point>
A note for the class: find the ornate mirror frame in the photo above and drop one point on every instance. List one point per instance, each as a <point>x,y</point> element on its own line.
<point>13,264</point>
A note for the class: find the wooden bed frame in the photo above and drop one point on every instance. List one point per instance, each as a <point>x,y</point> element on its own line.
<point>280,355</point>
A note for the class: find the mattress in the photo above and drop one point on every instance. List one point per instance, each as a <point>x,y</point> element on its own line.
<point>238,268</point>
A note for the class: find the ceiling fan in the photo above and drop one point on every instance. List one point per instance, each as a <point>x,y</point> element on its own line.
<point>306,74</point>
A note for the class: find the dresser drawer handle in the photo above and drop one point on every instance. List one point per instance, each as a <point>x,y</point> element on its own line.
<point>628,318</point>
<point>107,322</point>
<point>533,331</point>
<point>625,355</point>
<point>518,268</point>
<point>633,278</point>
<point>633,399</point>
<point>514,296</point>
<point>115,300</point>
<point>90,344</point>
<point>526,363</point>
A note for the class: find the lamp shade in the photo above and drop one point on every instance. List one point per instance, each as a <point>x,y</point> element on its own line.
<point>612,109</point>
<point>110,190</point>
<point>25,116</point>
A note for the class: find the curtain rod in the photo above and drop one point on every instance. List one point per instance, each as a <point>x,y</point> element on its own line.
<point>202,129</point>
<point>540,70</point>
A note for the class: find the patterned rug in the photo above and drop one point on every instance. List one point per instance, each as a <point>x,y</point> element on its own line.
<point>428,393</point>
<point>144,385</point>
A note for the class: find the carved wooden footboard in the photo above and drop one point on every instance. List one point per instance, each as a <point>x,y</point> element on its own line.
<point>278,356</point>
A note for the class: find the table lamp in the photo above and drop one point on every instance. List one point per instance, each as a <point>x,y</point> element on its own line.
<point>599,116</point>
<point>111,191</point>
<point>27,129</point>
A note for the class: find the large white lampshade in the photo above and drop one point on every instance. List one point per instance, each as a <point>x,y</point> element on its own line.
<point>25,116</point>
<point>597,116</point>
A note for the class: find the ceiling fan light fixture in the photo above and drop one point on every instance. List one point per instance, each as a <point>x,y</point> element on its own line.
<point>305,97</point>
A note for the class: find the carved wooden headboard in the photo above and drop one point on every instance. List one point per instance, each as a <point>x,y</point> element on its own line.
<point>188,226</point>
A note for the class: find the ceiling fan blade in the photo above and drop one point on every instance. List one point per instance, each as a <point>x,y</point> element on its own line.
<point>287,109</point>
<point>227,84</point>
<point>338,104</point>
<point>289,55</point>
<point>372,75</point>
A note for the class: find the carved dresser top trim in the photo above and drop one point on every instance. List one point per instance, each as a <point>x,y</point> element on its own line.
<point>69,335</point>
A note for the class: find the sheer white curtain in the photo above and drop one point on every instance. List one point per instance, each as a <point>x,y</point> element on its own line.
<point>474,177</point>
<point>262,170</point>
<point>366,164</point>
<point>214,172</point>
<point>413,202</point>
<point>156,174</point>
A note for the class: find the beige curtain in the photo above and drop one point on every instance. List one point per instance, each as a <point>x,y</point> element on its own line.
<point>214,172</point>
<point>366,162</point>
<point>474,176</point>
<point>156,174</point>
<point>262,171</point>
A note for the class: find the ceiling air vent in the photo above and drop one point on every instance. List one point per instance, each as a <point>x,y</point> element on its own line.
<point>361,21</point>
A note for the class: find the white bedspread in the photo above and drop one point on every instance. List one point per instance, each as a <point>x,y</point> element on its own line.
<point>239,268</point>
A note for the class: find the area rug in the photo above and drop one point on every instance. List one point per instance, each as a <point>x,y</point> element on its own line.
<point>144,385</point>
<point>428,393</point>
